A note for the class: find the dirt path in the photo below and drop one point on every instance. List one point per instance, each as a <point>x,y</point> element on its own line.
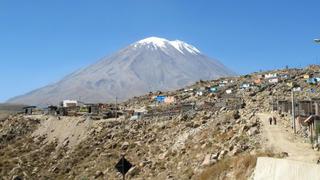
<point>280,139</point>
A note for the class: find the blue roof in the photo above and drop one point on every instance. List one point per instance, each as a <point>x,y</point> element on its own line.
<point>160,98</point>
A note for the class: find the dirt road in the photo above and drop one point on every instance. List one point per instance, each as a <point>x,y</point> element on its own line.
<point>280,139</point>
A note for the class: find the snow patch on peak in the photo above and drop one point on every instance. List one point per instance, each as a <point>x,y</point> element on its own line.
<point>160,42</point>
<point>156,42</point>
<point>180,46</point>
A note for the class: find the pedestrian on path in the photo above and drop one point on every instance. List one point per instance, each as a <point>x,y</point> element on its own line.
<point>270,120</point>
<point>274,120</point>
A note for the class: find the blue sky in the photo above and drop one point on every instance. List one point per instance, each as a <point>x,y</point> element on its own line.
<point>42,41</point>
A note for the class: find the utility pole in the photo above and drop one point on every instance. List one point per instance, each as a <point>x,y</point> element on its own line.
<point>277,103</point>
<point>272,103</point>
<point>116,108</point>
<point>293,111</point>
<point>124,176</point>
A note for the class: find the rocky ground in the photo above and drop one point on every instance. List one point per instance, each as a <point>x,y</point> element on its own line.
<point>178,148</point>
<point>200,143</point>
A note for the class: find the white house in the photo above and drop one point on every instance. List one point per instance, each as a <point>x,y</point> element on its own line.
<point>188,90</point>
<point>229,91</point>
<point>199,93</point>
<point>270,75</point>
<point>297,89</point>
<point>245,86</point>
<point>224,82</point>
<point>138,114</point>
<point>274,80</point>
<point>69,103</point>
<point>284,76</point>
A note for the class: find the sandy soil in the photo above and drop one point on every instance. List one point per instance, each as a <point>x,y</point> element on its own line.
<point>280,139</point>
<point>3,115</point>
<point>68,131</point>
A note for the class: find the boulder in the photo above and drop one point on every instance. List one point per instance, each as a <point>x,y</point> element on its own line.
<point>134,171</point>
<point>98,174</point>
<point>215,156</point>
<point>236,150</point>
<point>66,142</point>
<point>17,177</point>
<point>222,154</point>
<point>192,124</point>
<point>209,160</point>
<point>252,131</point>
<point>315,147</point>
<point>125,146</point>
<point>236,115</point>
<point>223,109</point>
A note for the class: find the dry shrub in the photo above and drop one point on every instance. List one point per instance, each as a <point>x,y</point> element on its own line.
<point>244,166</point>
<point>188,173</point>
<point>228,116</point>
<point>224,136</point>
<point>241,167</point>
<point>217,171</point>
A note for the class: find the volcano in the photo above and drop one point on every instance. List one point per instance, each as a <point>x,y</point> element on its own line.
<point>151,64</point>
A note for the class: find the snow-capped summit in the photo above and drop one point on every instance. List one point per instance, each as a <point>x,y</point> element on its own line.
<point>156,42</point>
<point>161,42</point>
<point>151,64</point>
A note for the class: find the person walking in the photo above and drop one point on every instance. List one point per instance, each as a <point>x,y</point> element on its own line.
<point>270,120</point>
<point>274,120</point>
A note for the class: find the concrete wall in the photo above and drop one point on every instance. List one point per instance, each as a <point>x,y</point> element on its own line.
<point>282,169</point>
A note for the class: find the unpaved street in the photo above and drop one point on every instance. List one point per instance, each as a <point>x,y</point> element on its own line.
<point>280,139</point>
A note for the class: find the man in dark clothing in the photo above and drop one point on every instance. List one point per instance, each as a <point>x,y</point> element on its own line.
<point>270,120</point>
<point>274,120</point>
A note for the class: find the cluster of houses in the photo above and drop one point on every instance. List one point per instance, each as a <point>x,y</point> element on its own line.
<point>257,80</point>
<point>75,108</point>
<point>310,79</point>
<point>307,116</point>
<point>271,78</point>
<point>211,89</point>
<point>164,99</point>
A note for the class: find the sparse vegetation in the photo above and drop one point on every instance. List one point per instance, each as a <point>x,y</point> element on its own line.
<point>239,167</point>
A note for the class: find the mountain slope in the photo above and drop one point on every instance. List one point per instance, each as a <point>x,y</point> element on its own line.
<point>147,65</point>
